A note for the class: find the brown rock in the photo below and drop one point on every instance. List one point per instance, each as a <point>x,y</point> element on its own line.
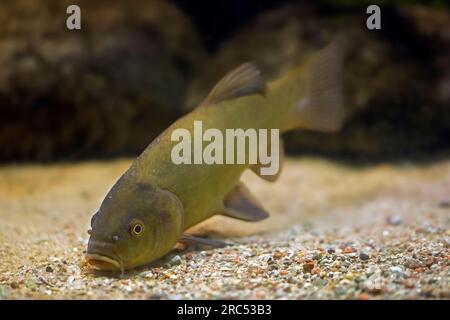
<point>308,266</point>
<point>14,285</point>
<point>106,89</point>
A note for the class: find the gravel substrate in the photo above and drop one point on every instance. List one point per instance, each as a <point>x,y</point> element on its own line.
<point>375,240</point>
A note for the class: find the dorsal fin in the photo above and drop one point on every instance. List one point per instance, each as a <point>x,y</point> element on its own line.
<point>244,80</point>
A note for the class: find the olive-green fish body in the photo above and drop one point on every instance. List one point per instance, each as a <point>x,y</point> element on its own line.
<point>151,205</point>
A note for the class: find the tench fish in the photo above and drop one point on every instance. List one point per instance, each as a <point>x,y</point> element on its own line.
<point>149,208</point>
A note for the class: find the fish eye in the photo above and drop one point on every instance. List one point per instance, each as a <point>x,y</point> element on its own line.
<point>136,228</point>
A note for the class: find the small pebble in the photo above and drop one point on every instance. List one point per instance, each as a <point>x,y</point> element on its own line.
<point>308,266</point>
<point>396,269</point>
<point>364,256</point>
<point>315,271</point>
<point>394,220</point>
<point>363,296</point>
<point>176,260</point>
<point>278,255</point>
<point>349,250</point>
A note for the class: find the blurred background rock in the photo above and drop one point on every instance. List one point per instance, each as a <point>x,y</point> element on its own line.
<point>136,66</point>
<point>103,91</point>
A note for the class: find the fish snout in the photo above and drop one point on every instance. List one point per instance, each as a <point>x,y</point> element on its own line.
<point>100,256</point>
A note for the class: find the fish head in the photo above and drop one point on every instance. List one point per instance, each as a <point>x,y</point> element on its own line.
<point>136,224</point>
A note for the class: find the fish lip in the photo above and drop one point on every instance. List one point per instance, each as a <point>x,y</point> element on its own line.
<point>100,257</point>
<point>102,251</point>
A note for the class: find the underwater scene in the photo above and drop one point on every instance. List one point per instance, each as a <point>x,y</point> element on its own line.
<point>224,150</point>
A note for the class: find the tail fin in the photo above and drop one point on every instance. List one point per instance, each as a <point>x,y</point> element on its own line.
<point>322,107</point>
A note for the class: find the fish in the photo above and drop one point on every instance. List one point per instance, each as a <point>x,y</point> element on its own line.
<point>148,210</point>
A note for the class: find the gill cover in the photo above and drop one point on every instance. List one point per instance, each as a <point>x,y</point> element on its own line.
<point>168,223</point>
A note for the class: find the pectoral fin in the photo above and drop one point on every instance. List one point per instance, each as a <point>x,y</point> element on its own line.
<point>193,240</point>
<point>256,168</point>
<point>241,204</point>
<point>244,80</point>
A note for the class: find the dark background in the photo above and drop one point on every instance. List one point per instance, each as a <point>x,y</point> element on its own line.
<point>136,66</point>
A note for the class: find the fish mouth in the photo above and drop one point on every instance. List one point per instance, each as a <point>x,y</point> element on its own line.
<point>102,262</point>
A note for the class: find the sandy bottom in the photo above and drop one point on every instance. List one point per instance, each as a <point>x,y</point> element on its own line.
<point>336,231</point>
